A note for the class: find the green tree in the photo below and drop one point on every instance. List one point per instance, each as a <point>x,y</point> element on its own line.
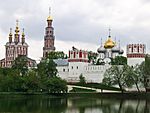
<point>48,80</point>
<point>20,64</point>
<point>32,81</point>
<point>143,75</point>
<point>47,68</point>
<point>135,75</point>
<point>144,72</point>
<point>119,60</point>
<point>117,75</point>
<point>56,85</point>
<point>57,55</point>
<point>82,79</point>
<point>92,57</point>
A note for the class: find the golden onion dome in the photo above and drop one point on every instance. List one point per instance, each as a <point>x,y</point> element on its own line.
<point>49,18</point>
<point>109,43</point>
<point>17,27</point>
<point>10,34</point>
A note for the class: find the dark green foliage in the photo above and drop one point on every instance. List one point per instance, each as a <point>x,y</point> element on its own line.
<point>144,73</point>
<point>135,76</point>
<point>119,60</point>
<point>92,57</point>
<point>99,62</point>
<point>57,55</point>
<point>20,79</point>
<point>32,81</point>
<point>82,79</point>
<point>20,64</point>
<point>47,68</point>
<point>56,85</point>
<point>147,65</point>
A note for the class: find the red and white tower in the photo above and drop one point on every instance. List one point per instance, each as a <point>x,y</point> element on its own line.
<point>78,59</point>
<point>76,55</point>
<point>49,37</point>
<point>135,54</point>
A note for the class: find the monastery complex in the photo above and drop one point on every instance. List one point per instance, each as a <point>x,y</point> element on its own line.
<point>77,62</point>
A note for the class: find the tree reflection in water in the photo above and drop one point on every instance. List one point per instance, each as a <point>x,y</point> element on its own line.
<point>49,104</point>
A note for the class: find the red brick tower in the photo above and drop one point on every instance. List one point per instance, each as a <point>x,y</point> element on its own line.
<point>49,37</point>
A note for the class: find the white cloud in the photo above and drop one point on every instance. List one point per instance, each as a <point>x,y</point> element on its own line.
<point>36,52</point>
<point>79,23</point>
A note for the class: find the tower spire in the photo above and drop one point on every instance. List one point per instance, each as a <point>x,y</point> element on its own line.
<point>16,40</point>
<point>109,32</point>
<point>10,35</point>
<point>17,27</point>
<point>119,43</point>
<point>23,32</point>
<point>23,36</point>
<point>115,41</point>
<point>49,16</point>
<point>101,42</point>
<point>49,11</point>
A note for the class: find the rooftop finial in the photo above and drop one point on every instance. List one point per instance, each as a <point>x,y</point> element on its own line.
<point>119,43</point>
<point>115,41</point>
<point>101,42</point>
<point>17,27</point>
<point>17,21</point>
<point>49,17</point>
<point>49,11</point>
<point>109,32</point>
<point>10,30</point>
<point>23,33</point>
<point>10,34</point>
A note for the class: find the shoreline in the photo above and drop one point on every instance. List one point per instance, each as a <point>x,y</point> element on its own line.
<point>110,95</point>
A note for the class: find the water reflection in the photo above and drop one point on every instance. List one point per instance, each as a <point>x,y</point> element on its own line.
<point>48,104</point>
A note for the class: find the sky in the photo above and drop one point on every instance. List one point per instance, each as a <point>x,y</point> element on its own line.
<point>79,23</point>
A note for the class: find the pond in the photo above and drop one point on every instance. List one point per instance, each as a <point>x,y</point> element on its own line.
<point>50,104</point>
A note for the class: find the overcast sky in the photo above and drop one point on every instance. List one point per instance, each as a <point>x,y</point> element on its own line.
<point>79,23</point>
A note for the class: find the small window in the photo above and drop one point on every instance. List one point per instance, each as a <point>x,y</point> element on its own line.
<point>63,70</point>
<point>72,67</point>
<point>77,67</point>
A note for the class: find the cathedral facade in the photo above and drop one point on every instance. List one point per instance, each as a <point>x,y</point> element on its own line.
<point>109,50</point>
<point>16,47</point>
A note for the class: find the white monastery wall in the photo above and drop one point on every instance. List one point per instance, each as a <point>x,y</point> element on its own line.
<point>134,61</point>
